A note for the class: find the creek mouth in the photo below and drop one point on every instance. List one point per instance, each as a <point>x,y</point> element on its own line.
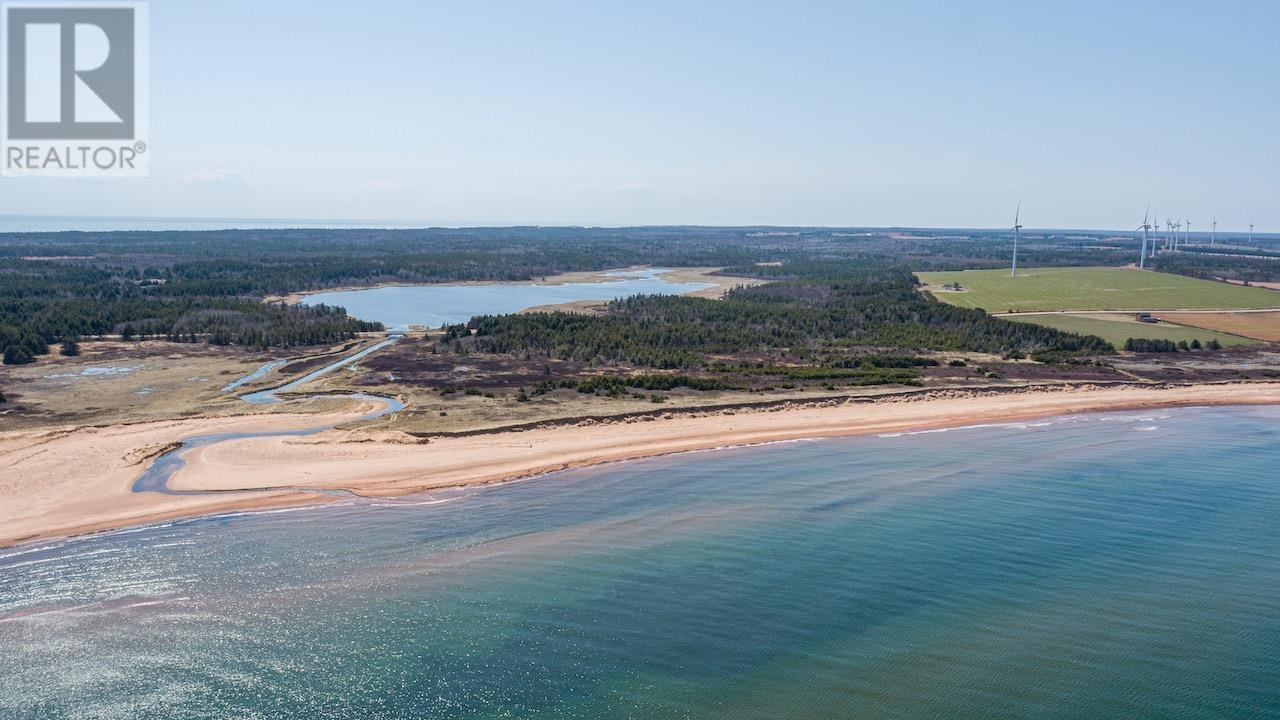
<point>389,305</point>
<point>158,474</point>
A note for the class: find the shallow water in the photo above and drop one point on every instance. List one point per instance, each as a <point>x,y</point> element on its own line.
<point>262,370</point>
<point>1115,565</point>
<point>157,475</point>
<point>270,396</point>
<point>90,372</point>
<point>442,304</point>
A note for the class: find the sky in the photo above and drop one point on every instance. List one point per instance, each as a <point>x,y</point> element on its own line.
<point>925,114</point>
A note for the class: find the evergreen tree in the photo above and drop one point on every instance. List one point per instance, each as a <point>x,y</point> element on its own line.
<point>17,355</point>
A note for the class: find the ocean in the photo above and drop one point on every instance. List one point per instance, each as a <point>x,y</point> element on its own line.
<point>1092,566</point>
<point>96,223</point>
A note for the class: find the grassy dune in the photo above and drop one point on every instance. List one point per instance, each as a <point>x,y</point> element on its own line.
<point>1094,288</point>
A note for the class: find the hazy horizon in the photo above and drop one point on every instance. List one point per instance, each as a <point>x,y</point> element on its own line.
<point>916,114</point>
<point>126,223</point>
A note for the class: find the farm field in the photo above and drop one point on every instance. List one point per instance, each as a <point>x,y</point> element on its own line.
<point>1115,328</point>
<point>1092,288</point>
<point>1262,326</point>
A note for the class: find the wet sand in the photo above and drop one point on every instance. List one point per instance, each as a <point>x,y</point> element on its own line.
<point>74,480</point>
<point>71,481</point>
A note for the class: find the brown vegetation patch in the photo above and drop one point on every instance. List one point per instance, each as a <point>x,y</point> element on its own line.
<point>1257,325</point>
<point>422,362</point>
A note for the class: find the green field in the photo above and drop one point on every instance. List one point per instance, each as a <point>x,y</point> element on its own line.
<point>1115,329</point>
<point>1093,288</point>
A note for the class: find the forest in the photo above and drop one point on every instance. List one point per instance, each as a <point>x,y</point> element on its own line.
<point>1247,265</point>
<point>817,314</point>
<point>209,286</point>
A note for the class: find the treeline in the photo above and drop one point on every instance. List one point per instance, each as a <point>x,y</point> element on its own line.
<point>831,287</point>
<point>277,262</point>
<point>208,286</point>
<point>1148,345</point>
<point>29,325</point>
<point>615,384</point>
<point>19,346</point>
<point>824,308</point>
<point>1228,266</point>
<point>1231,250</point>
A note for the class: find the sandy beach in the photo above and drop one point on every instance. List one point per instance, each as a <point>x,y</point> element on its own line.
<point>71,481</point>
<point>74,480</point>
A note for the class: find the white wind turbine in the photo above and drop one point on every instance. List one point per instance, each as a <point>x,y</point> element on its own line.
<point>1155,220</point>
<point>1213,237</point>
<point>1016,228</point>
<point>1145,227</point>
<point>1250,233</point>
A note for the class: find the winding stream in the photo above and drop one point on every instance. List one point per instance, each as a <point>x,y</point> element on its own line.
<point>263,370</point>
<point>399,308</point>
<point>157,476</point>
<point>270,395</point>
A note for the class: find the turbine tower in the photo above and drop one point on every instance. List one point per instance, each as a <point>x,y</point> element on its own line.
<point>1213,237</point>
<point>1016,228</point>
<point>1155,220</point>
<point>1186,237</point>
<point>1250,233</point>
<point>1144,227</point>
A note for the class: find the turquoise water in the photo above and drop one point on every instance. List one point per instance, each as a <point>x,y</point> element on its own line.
<point>1119,565</point>
<point>436,305</point>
